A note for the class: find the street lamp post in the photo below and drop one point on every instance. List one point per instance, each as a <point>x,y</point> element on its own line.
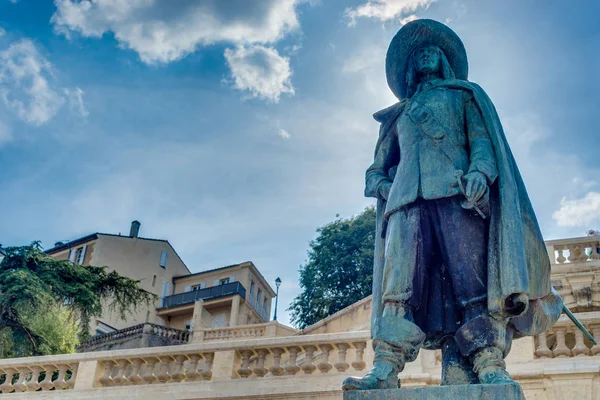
<point>277,283</point>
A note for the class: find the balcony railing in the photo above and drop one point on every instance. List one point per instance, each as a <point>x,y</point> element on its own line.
<point>259,308</point>
<point>209,293</point>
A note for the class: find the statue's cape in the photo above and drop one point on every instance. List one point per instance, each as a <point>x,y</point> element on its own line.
<point>517,257</point>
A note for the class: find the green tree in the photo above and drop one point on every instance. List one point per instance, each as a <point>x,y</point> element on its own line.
<point>339,271</point>
<point>47,304</point>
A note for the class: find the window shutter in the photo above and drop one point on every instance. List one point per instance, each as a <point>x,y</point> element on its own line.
<point>187,289</point>
<point>82,255</point>
<point>164,256</point>
<point>231,279</point>
<point>202,285</point>
<point>71,255</point>
<point>216,282</point>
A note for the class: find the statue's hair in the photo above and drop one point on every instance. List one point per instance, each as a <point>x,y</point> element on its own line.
<point>411,73</point>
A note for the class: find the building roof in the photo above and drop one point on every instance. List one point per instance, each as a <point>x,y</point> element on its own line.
<point>94,236</point>
<point>242,264</point>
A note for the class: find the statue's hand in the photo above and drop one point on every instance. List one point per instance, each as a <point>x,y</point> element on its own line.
<point>384,190</point>
<point>476,185</point>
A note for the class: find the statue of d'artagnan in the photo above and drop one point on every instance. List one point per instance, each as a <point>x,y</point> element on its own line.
<point>460,262</point>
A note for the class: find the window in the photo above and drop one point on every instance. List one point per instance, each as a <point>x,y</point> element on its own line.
<point>251,288</point>
<point>265,304</point>
<point>80,255</point>
<point>166,290</point>
<point>202,285</point>
<point>224,281</point>
<point>164,256</point>
<point>259,296</point>
<point>154,281</point>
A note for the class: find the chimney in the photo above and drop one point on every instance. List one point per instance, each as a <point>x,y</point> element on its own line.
<point>135,229</point>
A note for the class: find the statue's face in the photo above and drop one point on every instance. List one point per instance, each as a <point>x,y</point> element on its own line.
<point>427,60</point>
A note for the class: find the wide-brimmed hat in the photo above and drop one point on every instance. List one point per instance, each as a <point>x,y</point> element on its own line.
<point>415,34</point>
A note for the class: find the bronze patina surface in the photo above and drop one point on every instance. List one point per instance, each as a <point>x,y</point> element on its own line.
<point>460,262</point>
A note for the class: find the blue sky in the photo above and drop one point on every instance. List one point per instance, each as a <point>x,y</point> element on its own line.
<point>234,128</point>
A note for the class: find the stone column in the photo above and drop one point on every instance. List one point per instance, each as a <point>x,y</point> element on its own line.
<point>197,330</point>
<point>235,310</point>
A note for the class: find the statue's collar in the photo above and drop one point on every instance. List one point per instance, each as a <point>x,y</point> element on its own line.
<point>424,86</point>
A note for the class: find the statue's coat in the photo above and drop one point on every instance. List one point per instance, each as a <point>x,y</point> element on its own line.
<point>517,257</point>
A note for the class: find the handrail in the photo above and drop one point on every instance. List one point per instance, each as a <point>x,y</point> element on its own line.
<point>212,292</point>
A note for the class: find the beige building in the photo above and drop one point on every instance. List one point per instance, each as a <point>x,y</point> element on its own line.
<point>231,296</point>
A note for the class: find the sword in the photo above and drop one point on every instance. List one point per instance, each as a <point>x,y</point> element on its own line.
<point>469,204</point>
<point>578,324</point>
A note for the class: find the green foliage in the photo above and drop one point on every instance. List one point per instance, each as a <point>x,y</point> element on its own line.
<point>45,303</point>
<point>339,271</point>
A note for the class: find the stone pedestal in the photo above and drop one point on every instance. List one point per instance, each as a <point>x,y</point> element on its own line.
<point>459,392</point>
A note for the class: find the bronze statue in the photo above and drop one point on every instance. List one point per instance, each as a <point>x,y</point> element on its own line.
<point>460,262</point>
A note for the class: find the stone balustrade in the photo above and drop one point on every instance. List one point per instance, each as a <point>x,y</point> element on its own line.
<point>566,340</point>
<point>142,335</point>
<point>271,357</point>
<point>249,331</point>
<point>574,250</point>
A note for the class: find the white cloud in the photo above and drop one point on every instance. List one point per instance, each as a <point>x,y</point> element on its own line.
<point>283,133</point>
<point>76,101</point>
<point>2,31</point>
<point>578,212</point>
<point>260,70</point>
<point>28,86</point>
<point>26,83</point>
<point>386,10</point>
<point>162,31</point>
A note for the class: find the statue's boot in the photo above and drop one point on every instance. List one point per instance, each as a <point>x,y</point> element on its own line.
<point>489,365</point>
<point>485,341</point>
<point>384,375</point>
<point>396,341</point>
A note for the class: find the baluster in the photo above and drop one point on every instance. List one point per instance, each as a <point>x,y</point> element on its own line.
<point>206,373</point>
<point>134,375</point>
<point>178,375</point>
<point>574,253</point>
<point>596,333</point>
<point>584,255</point>
<point>106,380</point>
<point>260,369</point>
<point>47,384</point>
<point>71,381</point>
<point>192,373</point>
<point>359,364</point>
<point>60,382</point>
<point>276,369</point>
<point>120,378</point>
<point>308,367</point>
<point>561,349</point>
<point>542,350</point>
<point>580,348</point>
<point>595,255</point>
<point>341,365</point>
<point>324,365</point>
<point>561,258</point>
<point>149,376</point>
<point>244,371</point>
<point>292,367</point>
<point>20,385</point>
<point>32,382</point>
<point>7,386</point>
<point>163,368</point>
